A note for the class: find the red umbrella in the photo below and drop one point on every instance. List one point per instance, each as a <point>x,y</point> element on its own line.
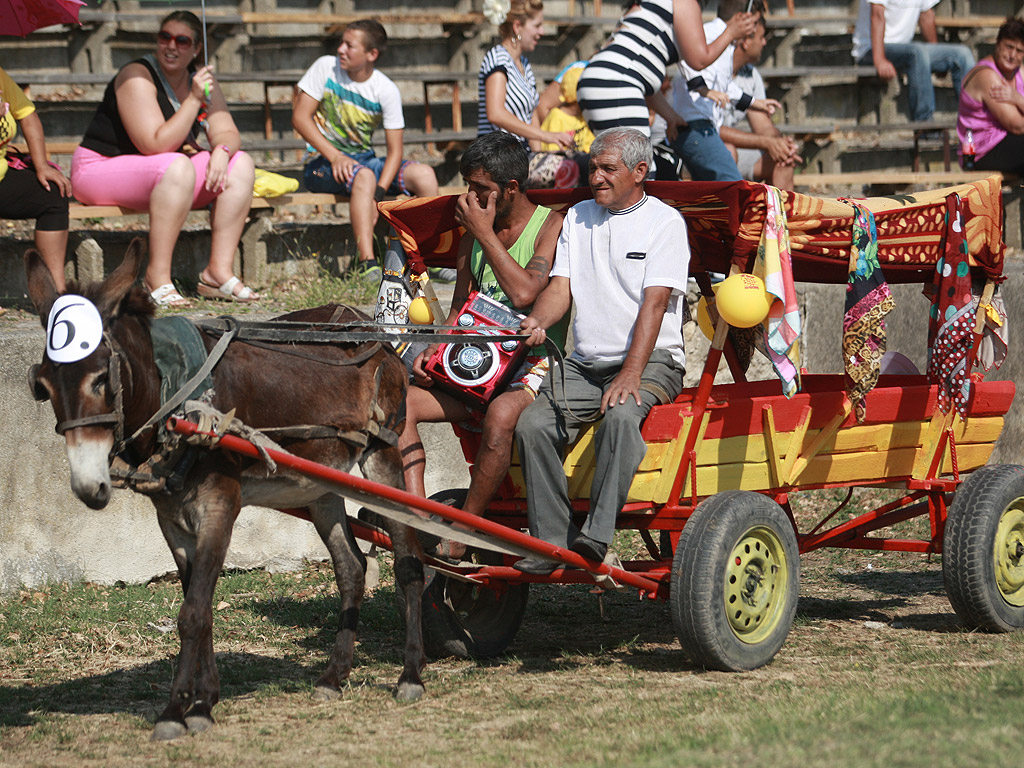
<point>20,17</point>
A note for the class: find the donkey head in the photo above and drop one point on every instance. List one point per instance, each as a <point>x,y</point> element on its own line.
<point>85,393</point>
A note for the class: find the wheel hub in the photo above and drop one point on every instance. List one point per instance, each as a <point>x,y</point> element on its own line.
<point>755,585</point>
<point>1008,553</point>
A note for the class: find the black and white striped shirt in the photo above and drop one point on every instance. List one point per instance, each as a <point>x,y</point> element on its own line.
<point>643,48</point>
<point>521,95</point>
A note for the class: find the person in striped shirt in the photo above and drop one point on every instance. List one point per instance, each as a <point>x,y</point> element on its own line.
<point>506,86</point>
<point>625,76</point>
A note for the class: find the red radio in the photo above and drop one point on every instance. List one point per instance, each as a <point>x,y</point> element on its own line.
<point>476,371</point>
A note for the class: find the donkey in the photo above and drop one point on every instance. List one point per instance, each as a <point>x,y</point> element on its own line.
<point>342,388</point>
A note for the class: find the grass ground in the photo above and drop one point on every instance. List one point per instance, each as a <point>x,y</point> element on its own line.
<point>877,671</point>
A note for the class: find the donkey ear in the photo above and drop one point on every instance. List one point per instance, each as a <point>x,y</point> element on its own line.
<point>120,281</point>
<point>41,288</point>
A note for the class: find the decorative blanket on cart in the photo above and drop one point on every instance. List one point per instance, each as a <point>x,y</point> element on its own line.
<point>785,237</point>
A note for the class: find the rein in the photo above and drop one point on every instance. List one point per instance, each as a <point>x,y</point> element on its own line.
<point>291,332</point>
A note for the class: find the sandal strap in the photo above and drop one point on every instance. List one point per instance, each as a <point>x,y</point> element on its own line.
<point>166,294</point>
<point>228,288</point>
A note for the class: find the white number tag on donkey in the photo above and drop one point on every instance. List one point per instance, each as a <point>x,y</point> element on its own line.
<point>74,329</point>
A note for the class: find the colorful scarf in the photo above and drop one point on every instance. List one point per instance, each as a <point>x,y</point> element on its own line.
<point>951,322</point>
<point>773,265</point>
<point>868,301</point>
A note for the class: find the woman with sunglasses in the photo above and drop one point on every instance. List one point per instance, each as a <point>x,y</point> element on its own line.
<point>141,151</point>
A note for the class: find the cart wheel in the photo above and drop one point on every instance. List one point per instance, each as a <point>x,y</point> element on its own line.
<point>735,582</point>
<point>983,549</point>
<point>467,620</point>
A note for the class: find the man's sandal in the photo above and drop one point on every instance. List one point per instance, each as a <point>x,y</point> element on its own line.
<point>226,292</point>
<point>167,296</point>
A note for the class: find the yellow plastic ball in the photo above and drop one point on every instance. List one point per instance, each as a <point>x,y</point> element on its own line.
<point>743,301</point>
<point>704,318</point>
<point>419,311</point>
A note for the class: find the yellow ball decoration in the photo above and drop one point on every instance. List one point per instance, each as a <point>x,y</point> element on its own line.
<point>704,318</point>
<point>419,311</point>
<point>743,301</point>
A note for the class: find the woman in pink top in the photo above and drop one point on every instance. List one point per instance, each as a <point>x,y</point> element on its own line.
<point>992,104</point>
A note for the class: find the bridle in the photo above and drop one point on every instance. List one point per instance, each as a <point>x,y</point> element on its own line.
<point>115,417</point>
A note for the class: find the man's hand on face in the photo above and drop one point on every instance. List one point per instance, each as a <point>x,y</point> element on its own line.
<point>477,220</point>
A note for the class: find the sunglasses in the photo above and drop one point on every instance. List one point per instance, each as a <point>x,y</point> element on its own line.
<point>183,41</point>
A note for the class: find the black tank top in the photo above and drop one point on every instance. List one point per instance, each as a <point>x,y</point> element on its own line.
<point>106,133</point>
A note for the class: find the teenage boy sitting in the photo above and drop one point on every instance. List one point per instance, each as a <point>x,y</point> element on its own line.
<point>339,103</point>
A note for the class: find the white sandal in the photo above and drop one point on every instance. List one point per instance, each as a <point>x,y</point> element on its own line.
<point>167,296</point>
<point>226,292</point>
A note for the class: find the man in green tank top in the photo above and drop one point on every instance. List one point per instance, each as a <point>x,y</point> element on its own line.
<point>506,254</point>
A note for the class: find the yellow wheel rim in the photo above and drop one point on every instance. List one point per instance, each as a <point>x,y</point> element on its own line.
<point>1008,553</point>
<point>756,583</point>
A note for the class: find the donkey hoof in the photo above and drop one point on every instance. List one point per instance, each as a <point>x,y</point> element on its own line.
<point>168,730</point>
<point>409,691</point>
<point>326,693</point>
<point>198,723</point>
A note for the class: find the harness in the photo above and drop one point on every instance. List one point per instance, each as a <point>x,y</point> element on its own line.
<point>165,470</point>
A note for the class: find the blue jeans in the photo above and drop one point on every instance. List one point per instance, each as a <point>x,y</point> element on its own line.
<point>704,154</point>
<point>918,61</point>
<point>318,176</point>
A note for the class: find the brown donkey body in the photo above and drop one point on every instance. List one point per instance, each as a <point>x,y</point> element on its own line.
<point>343,387</point>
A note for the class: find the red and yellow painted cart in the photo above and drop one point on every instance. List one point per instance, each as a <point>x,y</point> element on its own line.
<point>723,461</point>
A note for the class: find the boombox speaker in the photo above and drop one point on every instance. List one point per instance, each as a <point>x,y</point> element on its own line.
<point>476,371</point>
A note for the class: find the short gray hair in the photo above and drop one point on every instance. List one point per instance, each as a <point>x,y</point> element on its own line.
<point>631,144</point>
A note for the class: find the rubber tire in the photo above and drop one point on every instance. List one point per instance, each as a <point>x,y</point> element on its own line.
<point>699,572</point>
<point>467,621</point>
<point>968,548</point>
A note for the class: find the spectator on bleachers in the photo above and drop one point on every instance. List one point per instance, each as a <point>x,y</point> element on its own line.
<point>31,188</point>
<point>884,37</point>
<point>992,104</point>
<point>141,151</point>
<point>668,166</point>
<point>700,96</point>
<point>553,167</point>
<point>506,86</point>
<point>623,76</point>
<point>762,153</point>
<point>551,96</point>
<point>339,102</point>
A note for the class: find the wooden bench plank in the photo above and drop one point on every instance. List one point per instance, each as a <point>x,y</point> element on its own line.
<point>80,211</point>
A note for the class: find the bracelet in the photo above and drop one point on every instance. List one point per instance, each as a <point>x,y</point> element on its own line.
<point>226,149</point>
<point>379,193</point>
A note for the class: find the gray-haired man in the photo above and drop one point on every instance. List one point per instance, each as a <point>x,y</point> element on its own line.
<point>622,258</point>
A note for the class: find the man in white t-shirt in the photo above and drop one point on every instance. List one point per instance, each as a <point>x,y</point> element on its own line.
<point>762,152</point>
<point>699,97</point>
<point>339,103</point>
<point>623,259</point>
<point>884,37</point>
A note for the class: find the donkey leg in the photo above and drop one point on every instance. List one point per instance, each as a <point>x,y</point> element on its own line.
<point>385,466</point>
<point>329,518</point>
<point>195,688</point>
